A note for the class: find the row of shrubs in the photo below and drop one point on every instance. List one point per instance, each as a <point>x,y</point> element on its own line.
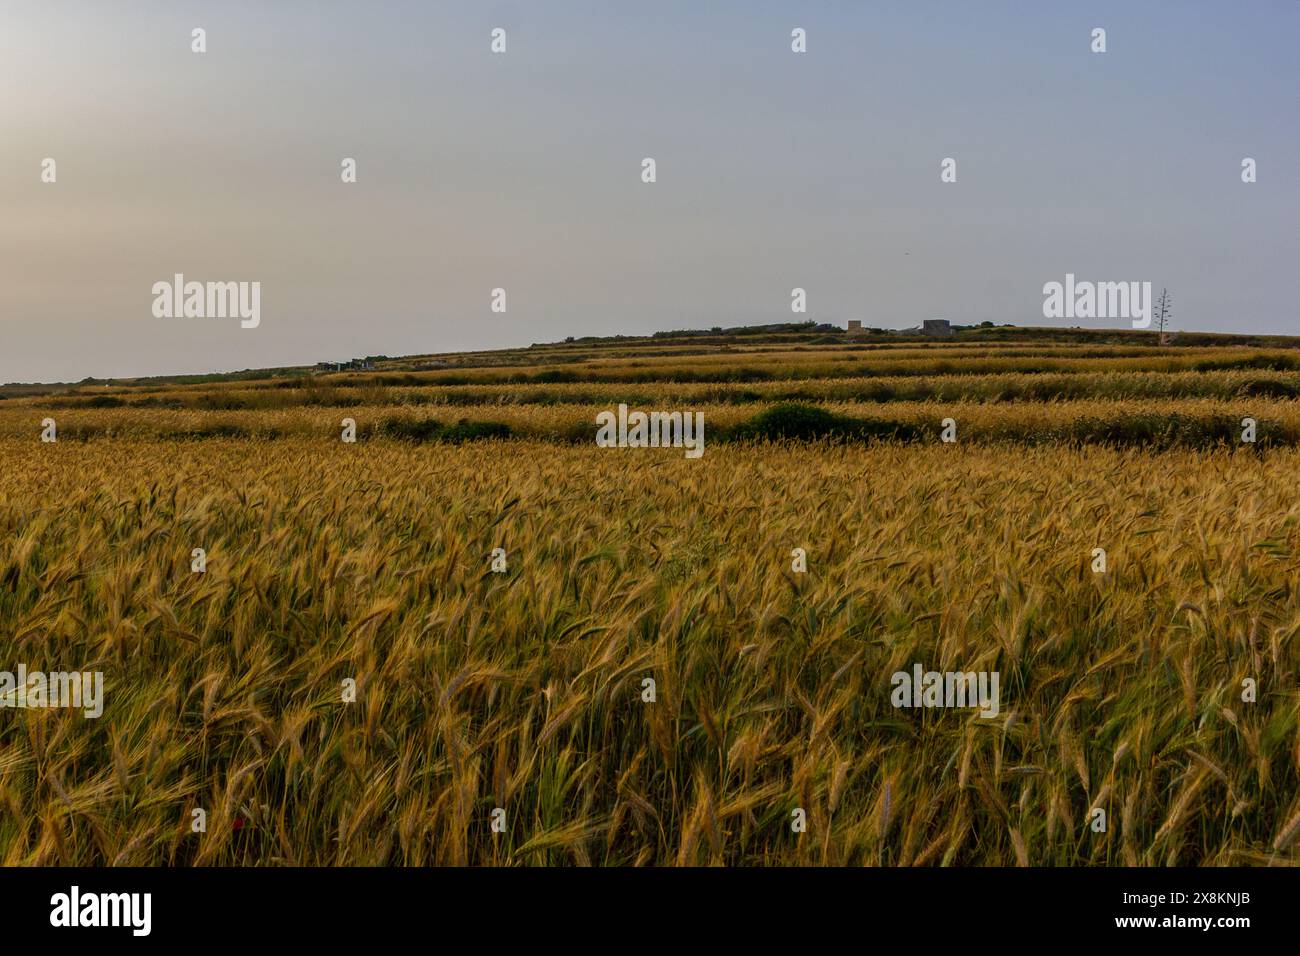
<point>428,429</point>
<point>794,422</point>
<point>1062,387</point>
<point>400,429</point>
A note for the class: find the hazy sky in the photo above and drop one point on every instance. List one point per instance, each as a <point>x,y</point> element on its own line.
<point>522,170</point>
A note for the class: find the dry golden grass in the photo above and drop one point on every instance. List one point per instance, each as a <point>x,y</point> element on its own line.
<point>522,690</point>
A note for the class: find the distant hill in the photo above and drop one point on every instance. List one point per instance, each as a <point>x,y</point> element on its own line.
<point>686,342</point>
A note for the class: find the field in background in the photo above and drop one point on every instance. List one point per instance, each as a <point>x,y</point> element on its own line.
<point>522,690</point>
<point>1063,386</point>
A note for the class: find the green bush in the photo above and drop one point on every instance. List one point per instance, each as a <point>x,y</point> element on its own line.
<point>429,429</point>
<point>1160,431</point>
<point>795,422</point>
<point>1267,388</point>
<point>410,429</point>
<point>465,430</point>
<point>1271,363</point>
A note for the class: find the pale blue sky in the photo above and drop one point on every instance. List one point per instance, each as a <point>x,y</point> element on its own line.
<point>522,170</point>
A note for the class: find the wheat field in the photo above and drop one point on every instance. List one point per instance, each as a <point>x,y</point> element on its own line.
<point>500,717</point>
